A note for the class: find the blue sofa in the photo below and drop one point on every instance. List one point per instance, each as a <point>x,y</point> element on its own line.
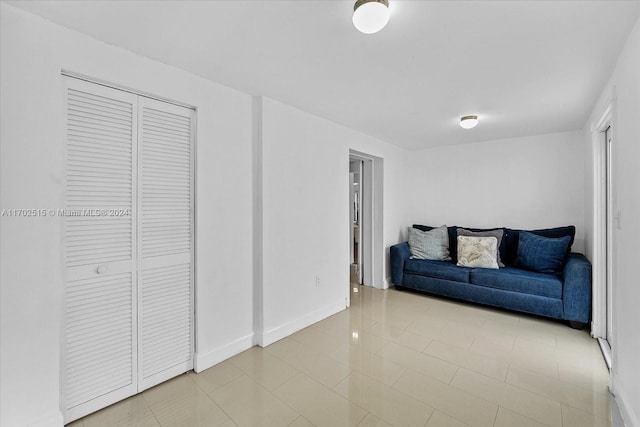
<point>565,296</point>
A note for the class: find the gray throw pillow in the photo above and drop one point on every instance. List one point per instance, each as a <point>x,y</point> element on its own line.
<point>497,233</point>
<point>433,244</point>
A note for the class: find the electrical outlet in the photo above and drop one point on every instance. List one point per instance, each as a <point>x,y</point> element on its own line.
<point>317,281</point>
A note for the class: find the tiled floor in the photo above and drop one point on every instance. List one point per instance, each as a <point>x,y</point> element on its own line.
<point>394,358</point>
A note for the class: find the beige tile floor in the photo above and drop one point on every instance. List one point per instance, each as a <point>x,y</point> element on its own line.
<point>392,359</point>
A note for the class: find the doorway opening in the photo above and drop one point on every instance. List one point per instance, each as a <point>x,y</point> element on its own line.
<point>365,220</point>
<point>355,213</point>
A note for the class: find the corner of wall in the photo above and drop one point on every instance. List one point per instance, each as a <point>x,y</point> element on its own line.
<point>630,418</point>
<point>257,188</point>
<point>202,361</point>
<point>282,331</point>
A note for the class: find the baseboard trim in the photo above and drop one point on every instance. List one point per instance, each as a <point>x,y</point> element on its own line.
<point>202,361</point>
<point>282,331</point>
<point>52,419</point>
<point>211,358</point>
<point>606,352</point>
<point>629,417</point>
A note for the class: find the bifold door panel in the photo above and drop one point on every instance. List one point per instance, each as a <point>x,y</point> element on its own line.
<point>128,245</point>
<point>165,237</point>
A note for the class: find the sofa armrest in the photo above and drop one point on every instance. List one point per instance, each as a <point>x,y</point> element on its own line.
<point>398,253</point>
<point>576,292</point>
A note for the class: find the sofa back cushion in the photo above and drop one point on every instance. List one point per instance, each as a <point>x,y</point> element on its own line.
<point>509,246</point>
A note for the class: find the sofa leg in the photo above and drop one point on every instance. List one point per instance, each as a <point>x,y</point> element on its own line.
<point>577,325</point>
<point>399,288</point>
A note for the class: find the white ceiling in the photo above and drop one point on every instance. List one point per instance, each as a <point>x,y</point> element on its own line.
<point>524,67</point>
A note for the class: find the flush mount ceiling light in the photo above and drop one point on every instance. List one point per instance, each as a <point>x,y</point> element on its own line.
<point>468,122</point>
<point>370,16</point>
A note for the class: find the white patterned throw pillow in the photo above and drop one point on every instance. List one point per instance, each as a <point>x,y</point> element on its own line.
<point>478,252</point>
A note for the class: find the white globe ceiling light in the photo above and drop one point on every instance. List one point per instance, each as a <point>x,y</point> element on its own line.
<point>468,122</point>
<point>370,16</point>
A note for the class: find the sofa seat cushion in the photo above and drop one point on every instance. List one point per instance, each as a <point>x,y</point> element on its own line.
<point>439,269</point>
<point>517,280</point>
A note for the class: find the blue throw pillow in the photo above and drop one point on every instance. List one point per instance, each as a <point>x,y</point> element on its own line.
<point>509,248</point>
<point>542,254</point>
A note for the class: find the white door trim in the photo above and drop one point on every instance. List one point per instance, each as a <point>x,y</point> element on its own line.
<point>599,312</point>
<point>122,88</point>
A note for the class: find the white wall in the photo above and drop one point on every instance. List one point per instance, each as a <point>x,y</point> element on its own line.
<point>305,214</point>
<point>33,52</point>
<point>625,82</point>
<point>293,162</point>
<point>530,182</point>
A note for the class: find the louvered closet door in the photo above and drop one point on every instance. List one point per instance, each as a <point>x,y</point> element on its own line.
<point>165,250</point>
<point>99,248</point>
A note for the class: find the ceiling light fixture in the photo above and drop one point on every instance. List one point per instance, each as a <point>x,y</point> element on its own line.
<point>468,122</point>
<point>370,16</point>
